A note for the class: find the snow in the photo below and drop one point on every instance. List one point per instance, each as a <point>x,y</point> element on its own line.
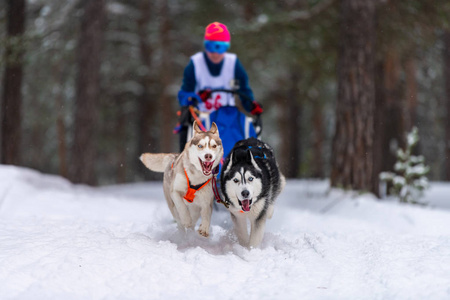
<point>64,241</point>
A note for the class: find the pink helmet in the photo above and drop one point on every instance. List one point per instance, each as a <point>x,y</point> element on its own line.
<point>217,32</point>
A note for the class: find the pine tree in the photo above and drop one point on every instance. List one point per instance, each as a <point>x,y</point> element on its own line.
<point>409,180</point>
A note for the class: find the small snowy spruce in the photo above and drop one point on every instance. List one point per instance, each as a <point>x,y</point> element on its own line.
<point>409,180</point>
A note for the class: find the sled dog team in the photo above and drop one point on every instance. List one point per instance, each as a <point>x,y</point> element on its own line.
<point>250,182</point>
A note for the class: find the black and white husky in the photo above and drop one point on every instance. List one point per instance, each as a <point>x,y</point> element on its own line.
<point>250,183</point>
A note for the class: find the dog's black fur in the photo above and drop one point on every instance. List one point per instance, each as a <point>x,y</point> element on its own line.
<point>252,155</point>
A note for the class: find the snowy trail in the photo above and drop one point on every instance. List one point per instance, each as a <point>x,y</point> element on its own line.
<point>61,241</point>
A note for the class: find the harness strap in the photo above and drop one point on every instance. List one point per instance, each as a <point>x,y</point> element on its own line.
<point>216,190</point>
<point>260,150</point>
<point>190,194</point>
<point>196,118</point>
<point>217,195</point>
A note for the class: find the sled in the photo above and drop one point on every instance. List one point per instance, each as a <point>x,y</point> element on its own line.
<point>234,122</point>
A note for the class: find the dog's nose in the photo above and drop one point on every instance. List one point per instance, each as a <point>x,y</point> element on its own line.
<point>208,157</point>
<point>245,194</point>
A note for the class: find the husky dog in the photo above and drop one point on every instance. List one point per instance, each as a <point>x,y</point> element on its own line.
<point>250,182</point>
<point>187,177</point>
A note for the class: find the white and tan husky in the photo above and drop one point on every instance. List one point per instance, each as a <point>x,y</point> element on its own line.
<point>188,177</point>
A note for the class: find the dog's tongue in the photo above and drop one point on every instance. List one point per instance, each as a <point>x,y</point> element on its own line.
<point>208,165</point>
<point>245,205</point>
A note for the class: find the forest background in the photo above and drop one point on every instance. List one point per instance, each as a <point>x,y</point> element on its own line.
<point>87,86</point>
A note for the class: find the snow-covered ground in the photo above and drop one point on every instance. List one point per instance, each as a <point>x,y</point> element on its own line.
<point>63,241</point>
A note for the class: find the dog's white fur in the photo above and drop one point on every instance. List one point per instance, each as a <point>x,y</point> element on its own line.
<point>204,147</point>
<point>240,219</point>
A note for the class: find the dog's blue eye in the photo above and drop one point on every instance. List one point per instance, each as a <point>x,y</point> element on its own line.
<point>250,179</point>
<point>200,146</point>
<point>235,180</point>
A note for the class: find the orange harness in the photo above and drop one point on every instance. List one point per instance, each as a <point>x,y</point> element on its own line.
<point>190,194</point>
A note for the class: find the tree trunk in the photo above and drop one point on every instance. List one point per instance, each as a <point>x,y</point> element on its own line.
<point>121,136</point>
<point>318,138</point>
<point>249,10</point>
<point>379,126</point>
<point>87,92</point>
<point>411,94</point>
<point>395,109</point>
<point>290,152</point>
<point>148,101</point>
<point>12,83</point>
<point>352,157</point>
<point>167,113</point>
<point>447,95</point>
<point>60,125</point>
<point>393,115</point>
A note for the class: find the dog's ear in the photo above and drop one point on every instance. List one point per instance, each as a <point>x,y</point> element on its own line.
<point>252,160</point>
<point>214,129</point>
<point>230,163</point>
<point>197,128</point>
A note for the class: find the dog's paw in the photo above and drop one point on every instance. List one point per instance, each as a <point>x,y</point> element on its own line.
<point>203,231</point>
<point>187,223</point>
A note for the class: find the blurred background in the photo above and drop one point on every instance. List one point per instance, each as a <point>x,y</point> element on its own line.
<point>87,86</point>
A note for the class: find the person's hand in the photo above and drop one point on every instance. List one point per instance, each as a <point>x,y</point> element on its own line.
<point>188,98</point>
<point>256,109</point>
<point>205,95</point>
<point>187,101</point>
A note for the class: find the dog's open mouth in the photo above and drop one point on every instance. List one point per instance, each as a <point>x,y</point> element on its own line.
<point>245,204</point>
<point>206,166</point>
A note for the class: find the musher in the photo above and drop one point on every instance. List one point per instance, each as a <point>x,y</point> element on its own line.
<point>215,69</point>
